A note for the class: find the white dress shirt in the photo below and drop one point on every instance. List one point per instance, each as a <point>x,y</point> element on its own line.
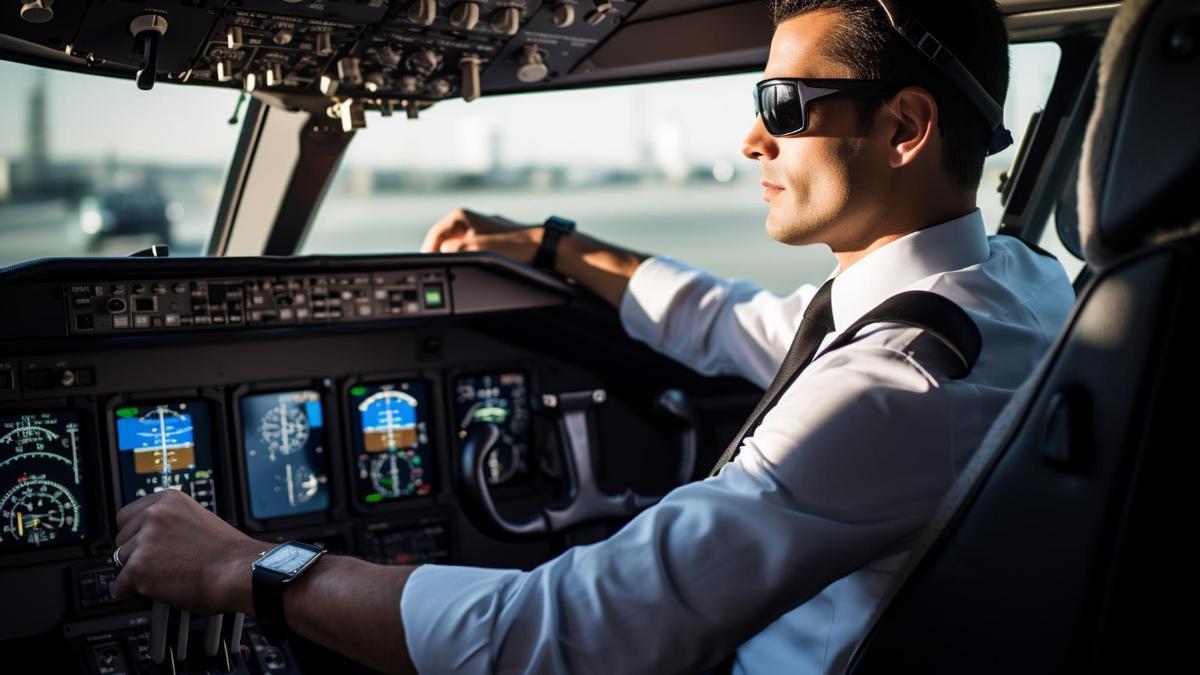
<point>785,554</point>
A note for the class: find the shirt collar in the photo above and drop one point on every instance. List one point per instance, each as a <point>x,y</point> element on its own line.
<point>882,273</point>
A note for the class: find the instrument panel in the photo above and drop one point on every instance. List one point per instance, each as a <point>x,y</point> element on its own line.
<point>43,491</point>
<point>166,445</point>
<point>284,450</point>
<point>389,431</point>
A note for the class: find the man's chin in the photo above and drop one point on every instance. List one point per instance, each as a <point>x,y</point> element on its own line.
<point>787,229</point>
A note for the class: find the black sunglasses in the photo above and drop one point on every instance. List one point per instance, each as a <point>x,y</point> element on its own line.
<point>783,102</point>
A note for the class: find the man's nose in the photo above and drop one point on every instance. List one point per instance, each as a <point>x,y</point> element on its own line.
<point>759,144</point>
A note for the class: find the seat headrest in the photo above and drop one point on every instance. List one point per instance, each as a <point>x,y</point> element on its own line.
<point>1140,169</point>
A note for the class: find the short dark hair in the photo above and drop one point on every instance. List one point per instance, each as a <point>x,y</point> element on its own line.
<point>973,30</point>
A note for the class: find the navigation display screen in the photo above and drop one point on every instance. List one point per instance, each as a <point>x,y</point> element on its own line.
<point>503,400</point>
<point>283,437</point>
<point>41,489</point>
<point>390,437</point>
<point>166,446</point>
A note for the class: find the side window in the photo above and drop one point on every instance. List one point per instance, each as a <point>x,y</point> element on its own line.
<point>654,167</point>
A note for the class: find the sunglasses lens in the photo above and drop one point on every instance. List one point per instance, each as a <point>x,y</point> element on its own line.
<point>782,111</point>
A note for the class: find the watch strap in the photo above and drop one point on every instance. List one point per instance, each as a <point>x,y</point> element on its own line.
<point>267,587</point>
<point>553,231</point>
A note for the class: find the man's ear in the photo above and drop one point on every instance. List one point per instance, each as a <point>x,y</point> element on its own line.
<point>913,119</point>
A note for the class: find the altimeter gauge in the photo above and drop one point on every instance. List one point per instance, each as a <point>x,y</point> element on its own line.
<point>37,511</point>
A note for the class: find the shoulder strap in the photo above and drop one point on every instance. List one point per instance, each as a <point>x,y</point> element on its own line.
<point>933,313</point>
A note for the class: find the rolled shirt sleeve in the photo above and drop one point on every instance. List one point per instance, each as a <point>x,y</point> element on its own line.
<point>851,462</point>
<point>714,326</point>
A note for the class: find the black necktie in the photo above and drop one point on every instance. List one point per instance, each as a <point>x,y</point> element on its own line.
<point>816,324</point>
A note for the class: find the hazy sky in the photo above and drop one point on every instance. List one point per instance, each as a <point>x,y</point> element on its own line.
<point>702,120</point>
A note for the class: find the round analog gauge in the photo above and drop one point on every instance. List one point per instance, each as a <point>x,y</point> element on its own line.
<point>300,483</point>
<point>36,511</point>
<point>284,429</point>
<point>29,436</point>
<point>397,474</point>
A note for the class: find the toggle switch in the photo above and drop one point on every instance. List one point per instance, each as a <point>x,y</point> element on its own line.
<point>469,67</point>
<point>422,12</point>
<point>563,15</point>
<point>465,15</point>
<point>507,20</point>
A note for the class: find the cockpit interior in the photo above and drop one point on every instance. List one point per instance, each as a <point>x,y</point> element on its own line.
<point>243,315</point>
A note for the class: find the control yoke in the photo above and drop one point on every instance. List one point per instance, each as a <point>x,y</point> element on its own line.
<point>587,502</point>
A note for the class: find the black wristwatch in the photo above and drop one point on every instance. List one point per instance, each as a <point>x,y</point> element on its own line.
<point>270,575</point>
<point>552,230</point>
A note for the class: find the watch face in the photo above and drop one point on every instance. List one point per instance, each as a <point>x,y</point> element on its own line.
<point>288,559</point>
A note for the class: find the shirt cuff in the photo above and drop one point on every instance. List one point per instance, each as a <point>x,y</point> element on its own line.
<point>449,613</point>
<point>650,294</point>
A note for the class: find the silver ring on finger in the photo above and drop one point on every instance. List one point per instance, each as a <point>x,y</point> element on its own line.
<point>116,558</point>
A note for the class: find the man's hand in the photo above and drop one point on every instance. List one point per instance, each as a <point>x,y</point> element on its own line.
<point>177,551</point>
<point>463,230</point>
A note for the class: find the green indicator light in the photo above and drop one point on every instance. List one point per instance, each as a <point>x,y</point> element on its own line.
<point>416,461</point>
<point>358,391</point>
<point>127,412</point>
<point>433,296</point>
<point>375,497</point>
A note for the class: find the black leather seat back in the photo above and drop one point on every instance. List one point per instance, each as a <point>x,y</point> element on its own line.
<point>1062,549</point>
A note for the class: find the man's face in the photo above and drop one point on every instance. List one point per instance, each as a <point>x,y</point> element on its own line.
<point>818,183</point>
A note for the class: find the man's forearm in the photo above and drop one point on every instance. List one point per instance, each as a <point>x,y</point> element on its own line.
<point>603,268</point>
<point>348,605</point>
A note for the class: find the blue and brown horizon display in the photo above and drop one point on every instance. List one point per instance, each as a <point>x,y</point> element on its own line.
<point>390,438</point>
<point>166,446</point>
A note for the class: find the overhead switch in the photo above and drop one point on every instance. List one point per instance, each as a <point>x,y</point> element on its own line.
<point>465,15</point>
<point>422,12</point>
<point>37,11</point>
<point>469,67</point>
<point>507,20</point>
<point>533,69</point>
<point>564,14</point>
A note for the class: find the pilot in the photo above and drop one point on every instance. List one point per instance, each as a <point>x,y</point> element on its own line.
<point>778,561</point>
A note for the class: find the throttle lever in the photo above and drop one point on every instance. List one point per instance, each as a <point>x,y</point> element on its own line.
<point>160,614</point>
<point>147,29</point>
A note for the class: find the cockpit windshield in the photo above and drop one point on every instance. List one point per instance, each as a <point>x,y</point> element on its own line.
<point>87,169</point>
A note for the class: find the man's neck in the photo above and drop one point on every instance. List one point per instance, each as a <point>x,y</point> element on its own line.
<point>895,226</point>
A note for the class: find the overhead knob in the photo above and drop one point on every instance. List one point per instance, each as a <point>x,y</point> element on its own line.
<point>348,71</point>
<point>274,75</point>
<point>425,61</point>
<point>323,44</point>
<point>422,12</point>
<point>533,69</point>
<point>465,15</point>
<point>439,88</point>
<point>375,82</point>
<point>507,20</point>
<point>233,37</point>
<point>564,14</point>
<point>468,65</point>
<point>602,10</point>
<point>283,36</point>
<point>249,83</point>
<point>410,84</point>
<point>37,11</point>
<point>388,57</point>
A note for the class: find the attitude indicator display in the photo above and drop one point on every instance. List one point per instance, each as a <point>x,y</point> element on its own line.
<point>503,400</point>
<point>390,436</point>
<point>166,446</point>
<point>283,438</point>
<point>41,486</point>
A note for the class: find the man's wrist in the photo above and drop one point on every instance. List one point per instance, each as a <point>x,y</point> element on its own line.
<point>235,576</point>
